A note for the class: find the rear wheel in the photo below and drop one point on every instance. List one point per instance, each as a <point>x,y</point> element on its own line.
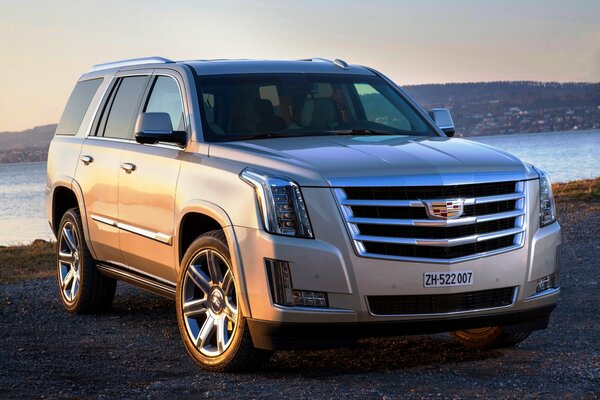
<point>489,337</point>
<point>210,321</point>
<point>83,289</point>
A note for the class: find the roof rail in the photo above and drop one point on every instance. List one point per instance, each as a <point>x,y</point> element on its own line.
<point>131,61</point>
<point>317,59</point>
<point>337,62</point>
<point>341,63</point>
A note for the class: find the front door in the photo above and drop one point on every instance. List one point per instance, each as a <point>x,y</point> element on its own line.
<point>147,185</point>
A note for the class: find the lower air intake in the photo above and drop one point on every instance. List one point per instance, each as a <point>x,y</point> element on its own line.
<point>441,303</point>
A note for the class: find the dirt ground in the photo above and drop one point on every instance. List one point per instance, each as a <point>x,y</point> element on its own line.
<point>134,351</point>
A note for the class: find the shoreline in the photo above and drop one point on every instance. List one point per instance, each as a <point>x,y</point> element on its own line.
<point>572,131</point>
<point>460,136</point>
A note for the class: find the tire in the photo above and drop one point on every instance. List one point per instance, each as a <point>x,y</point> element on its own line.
<point>212,327</point>
<point>83,289</point>
<point>491,337</point>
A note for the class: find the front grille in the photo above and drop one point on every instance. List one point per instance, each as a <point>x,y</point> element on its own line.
<point>394,222</point>
<point>441,303</point>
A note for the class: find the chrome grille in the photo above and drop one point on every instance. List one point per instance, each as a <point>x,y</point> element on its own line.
<point>392,222</point>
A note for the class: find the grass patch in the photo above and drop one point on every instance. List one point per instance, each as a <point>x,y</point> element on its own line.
<point>32,261</point>
<point>585,189</point>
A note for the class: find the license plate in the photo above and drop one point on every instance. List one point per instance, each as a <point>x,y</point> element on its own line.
<point>443,279</point>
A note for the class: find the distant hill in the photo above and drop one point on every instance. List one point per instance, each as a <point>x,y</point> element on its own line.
<point>484,108</point>
<point>26,146</point>
<point>494,108</point>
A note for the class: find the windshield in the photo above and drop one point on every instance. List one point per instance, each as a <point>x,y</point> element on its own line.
<point>253,106</point>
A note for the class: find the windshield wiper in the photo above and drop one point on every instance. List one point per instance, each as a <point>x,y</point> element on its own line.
<point>357,132</point>
<point>264,135</point>
<point>369,132</point>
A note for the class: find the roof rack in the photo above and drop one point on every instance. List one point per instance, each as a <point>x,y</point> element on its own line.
<point>337,62</point>
<point>131,61</point>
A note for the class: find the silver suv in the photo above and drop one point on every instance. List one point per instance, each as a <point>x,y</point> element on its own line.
<point>293,204</point>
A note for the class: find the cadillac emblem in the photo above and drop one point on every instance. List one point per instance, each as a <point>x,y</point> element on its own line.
<point>443,209</point>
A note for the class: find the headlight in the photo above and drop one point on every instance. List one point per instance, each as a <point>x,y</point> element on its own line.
<point>281,204</point>
<point>547,206</point>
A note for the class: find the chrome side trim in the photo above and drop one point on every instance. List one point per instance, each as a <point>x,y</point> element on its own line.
<point>158,236</point>
<point>514,300</point>
<point>104,220</point>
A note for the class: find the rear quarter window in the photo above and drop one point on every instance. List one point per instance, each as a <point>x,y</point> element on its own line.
<point>77,105</point>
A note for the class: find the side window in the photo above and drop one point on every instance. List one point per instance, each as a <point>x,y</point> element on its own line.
<point>76,107</point>
<point>379,109</point>
<point>165,97</point>
<point>124,108</point>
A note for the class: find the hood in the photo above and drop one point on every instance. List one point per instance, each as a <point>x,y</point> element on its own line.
<point>376,160</point>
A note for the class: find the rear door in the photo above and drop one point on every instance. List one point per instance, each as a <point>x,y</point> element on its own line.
<point>147,185</point>
<point>100,157</point>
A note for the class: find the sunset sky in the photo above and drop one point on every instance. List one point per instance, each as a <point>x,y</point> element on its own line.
<point>46,45</point>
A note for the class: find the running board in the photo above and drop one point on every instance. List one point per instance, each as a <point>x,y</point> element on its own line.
<point>137,279</point>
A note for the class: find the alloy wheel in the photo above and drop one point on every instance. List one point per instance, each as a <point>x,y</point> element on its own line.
<point>69,262</point>
<point>209,309</point>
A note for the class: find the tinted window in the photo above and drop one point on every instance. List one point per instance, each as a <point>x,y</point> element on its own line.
<point>124,107</point>
<point>77,106</point>
<point>237,107</point>
<point>378,108</point>
<point>165,97</point>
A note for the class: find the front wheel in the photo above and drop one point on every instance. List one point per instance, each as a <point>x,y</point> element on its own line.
<point>210,320</point>
<point>489,337</point>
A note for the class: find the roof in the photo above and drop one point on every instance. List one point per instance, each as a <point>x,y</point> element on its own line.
<point>217,67</point>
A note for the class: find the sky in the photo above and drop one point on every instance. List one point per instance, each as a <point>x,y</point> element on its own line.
<point>46,45</point>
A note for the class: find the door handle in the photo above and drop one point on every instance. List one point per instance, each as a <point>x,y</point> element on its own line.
<point>128,167</point>
<point>86,159</point>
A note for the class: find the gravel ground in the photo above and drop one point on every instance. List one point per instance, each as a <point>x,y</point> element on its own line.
<point>135,350</point>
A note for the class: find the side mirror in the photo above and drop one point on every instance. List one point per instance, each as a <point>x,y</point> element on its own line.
<point>443,119</point>
<point>154,127</point>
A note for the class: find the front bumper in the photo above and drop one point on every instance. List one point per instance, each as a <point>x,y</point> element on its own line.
<point>329,264</point>
<point>288,336</point>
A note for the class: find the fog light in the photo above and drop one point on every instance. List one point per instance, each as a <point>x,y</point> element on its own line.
<point>310,299</point>
<point>547,282</point>
<point>282,291</point>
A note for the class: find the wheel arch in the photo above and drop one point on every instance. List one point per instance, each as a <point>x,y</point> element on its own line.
<point>200,216</point>
<point>67,194</point>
